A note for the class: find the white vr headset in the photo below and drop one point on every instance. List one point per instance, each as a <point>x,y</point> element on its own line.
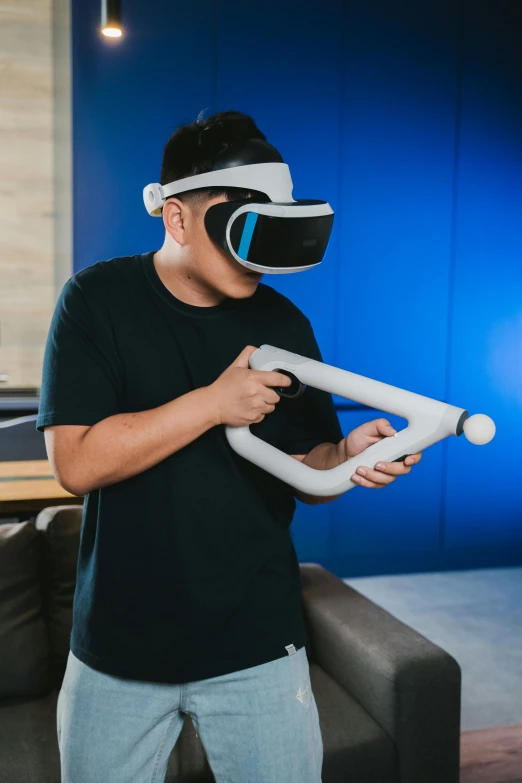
<point>278,236</point>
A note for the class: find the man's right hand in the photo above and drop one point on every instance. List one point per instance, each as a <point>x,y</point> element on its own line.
<point>242,396</point>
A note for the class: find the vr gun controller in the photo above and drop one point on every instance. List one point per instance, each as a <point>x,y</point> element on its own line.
<point>428,422</point>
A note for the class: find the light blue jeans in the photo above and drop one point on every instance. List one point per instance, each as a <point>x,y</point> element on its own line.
<point>258,725</point>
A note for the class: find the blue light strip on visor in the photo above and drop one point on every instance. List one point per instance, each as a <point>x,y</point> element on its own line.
<point>246,237</point>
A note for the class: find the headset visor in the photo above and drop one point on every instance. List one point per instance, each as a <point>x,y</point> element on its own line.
<point>271,241</point>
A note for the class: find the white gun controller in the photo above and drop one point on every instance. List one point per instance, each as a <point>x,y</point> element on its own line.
<point>428,422</point>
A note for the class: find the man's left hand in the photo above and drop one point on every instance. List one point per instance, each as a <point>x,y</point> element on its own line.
<point>383,473</point>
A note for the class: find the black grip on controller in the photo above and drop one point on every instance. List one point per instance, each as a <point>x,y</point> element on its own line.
<point>293,391</point>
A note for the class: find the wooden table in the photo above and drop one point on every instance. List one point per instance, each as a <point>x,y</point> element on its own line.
<point>29,485</point>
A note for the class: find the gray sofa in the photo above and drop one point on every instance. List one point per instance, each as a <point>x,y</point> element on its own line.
<point>388,698</point>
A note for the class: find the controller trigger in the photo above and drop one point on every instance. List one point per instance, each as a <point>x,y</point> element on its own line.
<point>296,388</point>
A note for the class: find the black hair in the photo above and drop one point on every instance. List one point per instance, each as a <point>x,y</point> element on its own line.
<point>193,148</point>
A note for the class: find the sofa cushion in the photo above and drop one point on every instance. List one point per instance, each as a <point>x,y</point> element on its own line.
<point>188,759</point>
<point>59,527</point>
<point>24,644</point>
<point>29,742</point>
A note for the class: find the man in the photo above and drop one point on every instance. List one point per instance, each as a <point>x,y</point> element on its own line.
<point>188,596</point>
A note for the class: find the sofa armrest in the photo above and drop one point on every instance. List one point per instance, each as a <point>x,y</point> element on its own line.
<point>409,685</point>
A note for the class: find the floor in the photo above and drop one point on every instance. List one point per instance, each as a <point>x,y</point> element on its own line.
<point>491,755</point>
<point>474,615</point>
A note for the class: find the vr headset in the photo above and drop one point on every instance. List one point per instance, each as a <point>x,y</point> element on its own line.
<point>277,236</point>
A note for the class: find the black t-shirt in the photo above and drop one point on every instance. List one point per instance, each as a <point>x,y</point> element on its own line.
<point>186,570</point>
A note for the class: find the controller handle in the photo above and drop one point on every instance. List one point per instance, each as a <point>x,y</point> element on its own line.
<point>429,421</point>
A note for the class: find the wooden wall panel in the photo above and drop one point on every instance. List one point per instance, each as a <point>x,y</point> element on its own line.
<point>26,188</point>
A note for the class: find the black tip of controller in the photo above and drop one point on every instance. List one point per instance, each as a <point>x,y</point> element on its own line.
<point>460,425</point>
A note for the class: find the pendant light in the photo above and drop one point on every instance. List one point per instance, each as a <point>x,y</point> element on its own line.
<point>111,18</point>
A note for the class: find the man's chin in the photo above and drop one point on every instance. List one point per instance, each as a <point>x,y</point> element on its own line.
<point>247,286</point>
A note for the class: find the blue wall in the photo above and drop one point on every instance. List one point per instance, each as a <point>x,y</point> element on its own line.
<point>407,118</point>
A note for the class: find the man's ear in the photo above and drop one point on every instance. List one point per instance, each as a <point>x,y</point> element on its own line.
<point>174,214</point>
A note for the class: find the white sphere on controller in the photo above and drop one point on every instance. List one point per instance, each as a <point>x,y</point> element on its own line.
<point>479,429</point>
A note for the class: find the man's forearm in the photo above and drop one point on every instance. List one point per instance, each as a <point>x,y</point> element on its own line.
<point>321,457</point>
<point>125,444</point>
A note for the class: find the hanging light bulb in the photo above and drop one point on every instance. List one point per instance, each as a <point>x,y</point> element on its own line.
<point>111,18</point>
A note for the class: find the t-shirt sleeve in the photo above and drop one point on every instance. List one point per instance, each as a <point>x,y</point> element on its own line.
<point>81,383</point>
<point>312,417</point>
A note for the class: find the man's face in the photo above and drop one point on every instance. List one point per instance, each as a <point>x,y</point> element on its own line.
<point>210,264</point>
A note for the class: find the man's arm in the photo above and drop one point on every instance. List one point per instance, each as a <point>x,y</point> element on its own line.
<point>322,457</point>
<point>84,458</point>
